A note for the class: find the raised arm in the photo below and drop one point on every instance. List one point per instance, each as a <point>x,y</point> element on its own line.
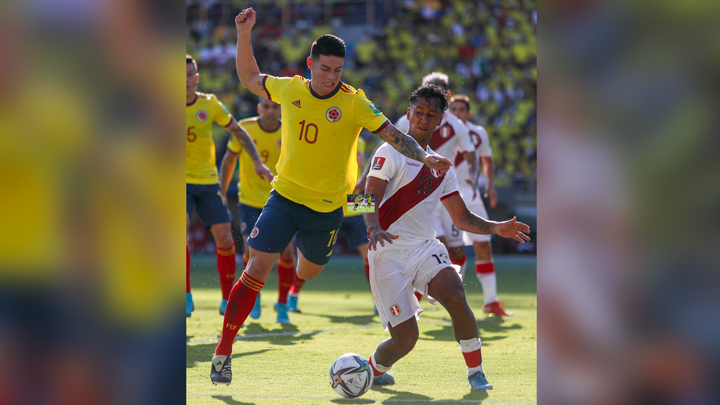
<point>375,232</point>
<point>247,68</point>
<point>227,167</point>
<point>489,172</point>
<point>247,144</point>
<point>471,159</point>
<point>406,145</point>
<point>470,222</point>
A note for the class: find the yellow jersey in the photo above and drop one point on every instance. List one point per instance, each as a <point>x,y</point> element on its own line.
<point>360,149</point>
<point>253,190</point>
<point>200,149</point>
<point>317,166</point>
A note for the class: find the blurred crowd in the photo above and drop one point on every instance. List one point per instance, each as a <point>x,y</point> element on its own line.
<point>487,48</point>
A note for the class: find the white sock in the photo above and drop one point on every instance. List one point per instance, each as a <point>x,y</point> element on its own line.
<point>378,367</point>
<point>471,371</point>
<point>489,286</point>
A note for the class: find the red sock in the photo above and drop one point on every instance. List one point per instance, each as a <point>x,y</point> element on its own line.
<point>240,303</point>
<point>460,262</point>
<point>226,269</point>
<point>367,270</point>
<point>484,268</point>
<point>473,359</point>
<point>297,285</point>
<point>286,276</point>
<point>418,295</point>
<point>187,271</point>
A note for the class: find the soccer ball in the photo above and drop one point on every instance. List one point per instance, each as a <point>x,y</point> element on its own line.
<point>351,375</point>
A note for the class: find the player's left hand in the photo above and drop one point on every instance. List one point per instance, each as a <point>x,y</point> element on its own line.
<point>381,236</point>
<point>492,194</point>
<point>437,162</point>
<point>264,173</point>
<point>513,229</point>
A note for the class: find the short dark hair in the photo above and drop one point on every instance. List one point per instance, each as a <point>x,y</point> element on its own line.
<point>461,98</point>
<point>429,92</point>
<point>190,59</point>
<point>328,45</point>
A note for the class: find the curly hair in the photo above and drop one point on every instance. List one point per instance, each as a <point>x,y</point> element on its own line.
<point>429,92</point>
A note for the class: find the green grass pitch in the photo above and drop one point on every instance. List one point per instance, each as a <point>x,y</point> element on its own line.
<point>288,364</point>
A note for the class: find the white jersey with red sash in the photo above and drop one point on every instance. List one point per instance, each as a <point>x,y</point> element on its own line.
<point>412,193</point>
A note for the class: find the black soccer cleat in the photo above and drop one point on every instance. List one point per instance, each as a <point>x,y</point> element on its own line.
<point>220,370</point>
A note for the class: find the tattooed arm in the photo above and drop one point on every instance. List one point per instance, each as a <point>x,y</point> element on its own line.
<point>470,222</point>
<point>249,147</point>
<point>409,147</point>
<point>247,68</point>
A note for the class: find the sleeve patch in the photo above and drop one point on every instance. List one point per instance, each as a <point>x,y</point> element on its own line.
<point>378,163</point>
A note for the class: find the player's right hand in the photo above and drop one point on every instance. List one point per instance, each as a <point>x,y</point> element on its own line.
<point>513,229</point>
<point>437,162</point>
<point>245,20</point>
<point>379,235</point>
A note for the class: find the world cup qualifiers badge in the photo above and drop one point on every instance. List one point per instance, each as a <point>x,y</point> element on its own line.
<point>333,114</point>
<point>202,116</point>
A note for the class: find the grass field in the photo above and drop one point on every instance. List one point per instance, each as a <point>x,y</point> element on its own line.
<point>288,364</point>
<point>351,208</point>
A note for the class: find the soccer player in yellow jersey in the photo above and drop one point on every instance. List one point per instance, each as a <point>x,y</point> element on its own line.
<point>322,119</point>
<point>264,130</point>
<point>203,189</point>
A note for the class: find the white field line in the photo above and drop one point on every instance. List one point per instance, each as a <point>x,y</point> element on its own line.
<point>361,400</point>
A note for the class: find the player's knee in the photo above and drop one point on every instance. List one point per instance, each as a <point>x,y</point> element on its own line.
<point>306,275</point>
<point>454,297</point>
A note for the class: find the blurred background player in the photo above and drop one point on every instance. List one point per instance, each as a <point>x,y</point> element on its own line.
<point>484,266</point>
<point>409,257</point>
<point>451,140</point>
<point>253,192</point>
<point>203,189</point>
<point>316,170</point>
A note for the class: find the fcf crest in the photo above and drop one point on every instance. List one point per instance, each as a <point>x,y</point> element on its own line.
<point>333,114</point>
<point>202,116</point>
<point>395,310</point>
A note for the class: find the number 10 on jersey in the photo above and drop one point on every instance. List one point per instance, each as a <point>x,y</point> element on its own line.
<point>305,131</point>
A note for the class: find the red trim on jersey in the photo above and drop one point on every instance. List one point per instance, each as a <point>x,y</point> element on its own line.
<point>228,124</point>
<point>477,136</point>
<point>265,88</point>
<point>449,195</point>
<point>458,159</point>
<point>437,140</point>
<point>381,127</point>
<point>408,197</point>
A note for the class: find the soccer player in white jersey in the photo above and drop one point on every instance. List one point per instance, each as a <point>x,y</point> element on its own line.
<point>484,266</point>
<point>405,255</point>
<point>451,140</point>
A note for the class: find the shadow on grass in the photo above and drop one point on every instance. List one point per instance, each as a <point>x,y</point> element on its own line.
<point>495,325</point>
<point>405,396</point>
<point>475,396</point>
<point>355,320</point>
<point>230,401</point>
<point>204,353</point>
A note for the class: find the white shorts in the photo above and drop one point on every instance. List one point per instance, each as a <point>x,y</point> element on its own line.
<point>476,206</point>
<point>445,227</point>
<point>395,274</point>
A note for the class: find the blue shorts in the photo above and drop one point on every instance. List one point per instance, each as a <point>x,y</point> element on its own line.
<point>282,220</point>
<point>355,231</point>
<point>248,217</point>
<point>208,203</point>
